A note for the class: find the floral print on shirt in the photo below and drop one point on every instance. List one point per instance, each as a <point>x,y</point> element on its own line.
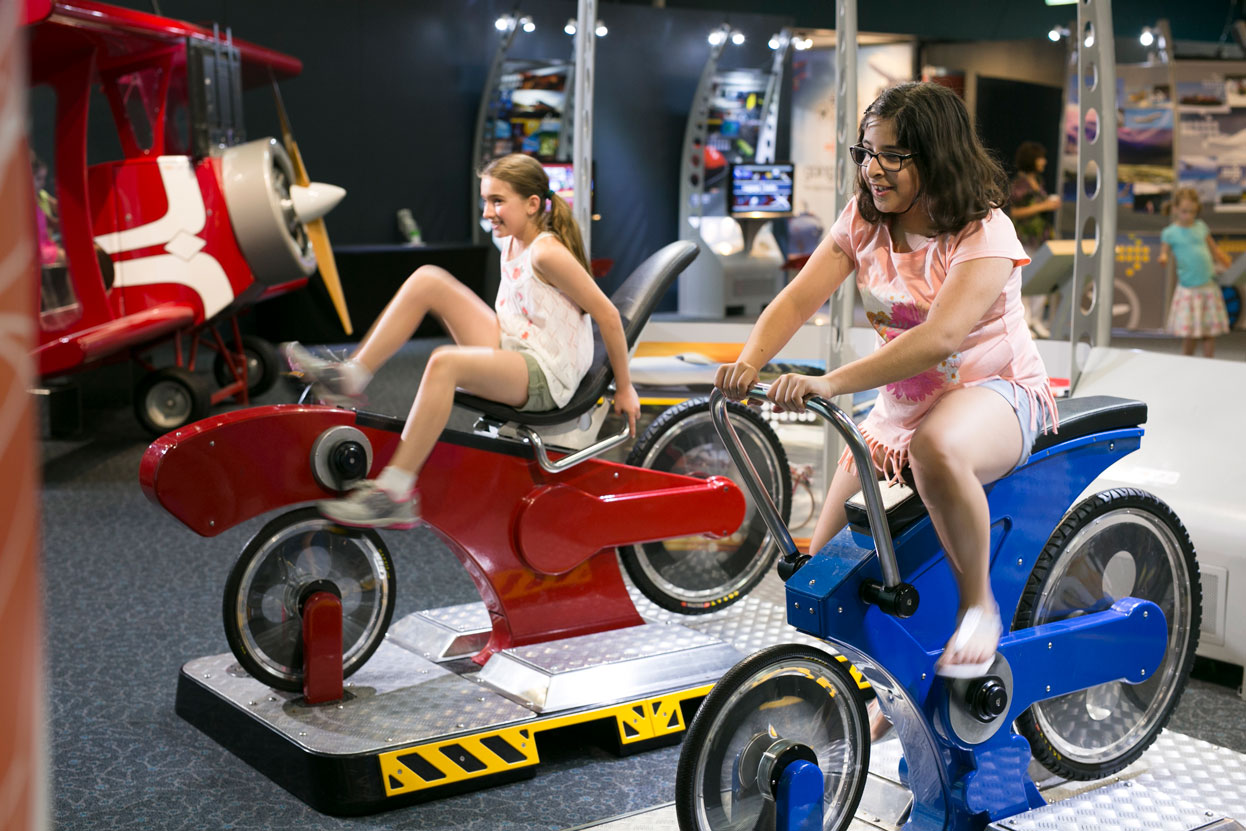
<point>893,320</point>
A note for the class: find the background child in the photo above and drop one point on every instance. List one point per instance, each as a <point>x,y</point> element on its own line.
<point>1197,312</point>
<point>530,352</point>
<point>1032,212</point>
<point>963,389</point>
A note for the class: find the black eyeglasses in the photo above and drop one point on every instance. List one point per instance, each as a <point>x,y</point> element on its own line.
<point>887,160</point>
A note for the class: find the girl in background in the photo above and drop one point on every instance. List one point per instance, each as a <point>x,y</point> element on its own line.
<point>1197,313</point>
<point>1032,213</point>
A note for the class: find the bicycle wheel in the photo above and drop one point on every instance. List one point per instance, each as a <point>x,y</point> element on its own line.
<point>695,575</point>
<point>790,692</point>
<point>292,555</point>
<point>1119,543</point>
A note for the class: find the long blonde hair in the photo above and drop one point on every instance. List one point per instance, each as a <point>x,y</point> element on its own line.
<point>528,178</point>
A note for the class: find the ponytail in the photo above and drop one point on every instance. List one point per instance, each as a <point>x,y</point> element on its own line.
<point>561,222</point>
<point>528,178</point>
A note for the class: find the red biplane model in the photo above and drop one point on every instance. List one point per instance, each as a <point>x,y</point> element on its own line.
<point>190,226</point>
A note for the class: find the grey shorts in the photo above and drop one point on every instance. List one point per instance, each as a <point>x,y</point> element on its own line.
<point>1020,403</point>
<point>539,397</point>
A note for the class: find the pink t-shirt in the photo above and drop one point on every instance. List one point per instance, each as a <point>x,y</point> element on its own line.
<point>897,289</point>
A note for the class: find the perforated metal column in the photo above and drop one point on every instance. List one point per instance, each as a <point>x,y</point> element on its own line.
<point>484,117</point>
<point>582,144</point>
<point>769,134</point>
<point>692,166</point>
<point>846,113</point>
<point>1094,261</point>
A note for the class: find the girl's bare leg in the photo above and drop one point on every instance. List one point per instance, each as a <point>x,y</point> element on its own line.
<point>970,438</point>
<point>496,374</point>
<point>1187,346</point>
<point>833,517</point>
<point>429,290</point>
<point>1209,347</point>
<point>830,522</point>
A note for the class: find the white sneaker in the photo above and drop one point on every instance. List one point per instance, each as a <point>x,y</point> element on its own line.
<point>367,506</point>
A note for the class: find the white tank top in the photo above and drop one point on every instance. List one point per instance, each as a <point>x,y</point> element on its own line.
<point>537,318</point>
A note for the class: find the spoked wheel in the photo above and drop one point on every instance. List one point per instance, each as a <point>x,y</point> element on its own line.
<point>263,365</point>
<point>293,555</point>
<point>695,575</point>
<point>787,692</point>
<point>170,398</point>
<point>1119,543</point>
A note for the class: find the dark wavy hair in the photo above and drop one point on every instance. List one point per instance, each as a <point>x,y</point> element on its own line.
<point>1028,154</point>
<point>960,181</point>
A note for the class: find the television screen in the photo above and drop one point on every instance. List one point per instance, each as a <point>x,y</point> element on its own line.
<point>562,180</point>
<point>762,191</point>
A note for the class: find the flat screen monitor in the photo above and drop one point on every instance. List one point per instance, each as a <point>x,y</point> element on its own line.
<point>562,180</point>
<point>762,191</point>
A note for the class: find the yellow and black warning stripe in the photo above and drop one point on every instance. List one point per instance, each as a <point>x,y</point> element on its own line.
<point>503,749</point>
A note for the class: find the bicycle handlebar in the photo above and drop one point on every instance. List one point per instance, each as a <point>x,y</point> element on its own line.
<point>765,504</point>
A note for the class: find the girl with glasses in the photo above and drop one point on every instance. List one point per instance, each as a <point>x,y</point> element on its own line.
<point>963,392</point>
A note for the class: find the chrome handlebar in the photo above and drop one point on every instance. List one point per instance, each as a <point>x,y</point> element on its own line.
<point>765,504</point>
<point>550,466</point>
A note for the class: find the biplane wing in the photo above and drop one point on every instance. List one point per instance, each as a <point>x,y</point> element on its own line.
<point>123,333</point>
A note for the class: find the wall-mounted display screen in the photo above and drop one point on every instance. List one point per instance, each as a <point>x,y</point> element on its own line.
<point>762,191</point>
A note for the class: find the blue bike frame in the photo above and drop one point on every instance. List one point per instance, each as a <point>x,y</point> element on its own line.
<point>963,772</point>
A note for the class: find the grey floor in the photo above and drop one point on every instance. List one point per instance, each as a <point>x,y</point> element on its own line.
<point>131,595</point>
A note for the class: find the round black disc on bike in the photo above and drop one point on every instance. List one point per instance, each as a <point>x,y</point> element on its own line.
<point>263,598</point>
<point>1119,543</point>
<point>786,692</point>
<point>695,575</point>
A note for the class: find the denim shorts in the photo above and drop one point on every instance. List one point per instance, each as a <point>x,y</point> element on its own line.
<point>1020,403</point>
<point>539,397</point>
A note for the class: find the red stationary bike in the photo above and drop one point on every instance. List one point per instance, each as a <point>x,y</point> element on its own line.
<point>537,529</point>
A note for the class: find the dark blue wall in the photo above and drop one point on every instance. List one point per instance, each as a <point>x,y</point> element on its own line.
<point>387,100</point>
<point>386,104</point>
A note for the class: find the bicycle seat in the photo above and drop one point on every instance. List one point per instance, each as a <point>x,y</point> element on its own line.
<point>1078,417</point>
<point>635,299</point>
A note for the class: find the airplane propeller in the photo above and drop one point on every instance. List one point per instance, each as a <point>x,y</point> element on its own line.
<point>312,200</point>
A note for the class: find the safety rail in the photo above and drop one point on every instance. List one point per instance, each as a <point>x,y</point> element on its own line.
<point>573,459</point>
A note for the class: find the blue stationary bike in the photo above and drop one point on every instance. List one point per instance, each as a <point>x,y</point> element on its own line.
<point>1102,606</point>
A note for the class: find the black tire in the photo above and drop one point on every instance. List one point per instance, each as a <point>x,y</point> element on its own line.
<point>789,692</point>
<point>170,398</point>
<point>696,575</point>
<point>263,365</point>
<point>264,594</point>
<point>1118,543</point>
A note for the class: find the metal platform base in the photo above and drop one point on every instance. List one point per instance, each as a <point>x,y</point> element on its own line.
<point>421,721</point>
<point>1179,784</point>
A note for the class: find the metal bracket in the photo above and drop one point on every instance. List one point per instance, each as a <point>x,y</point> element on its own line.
<point>542,458</point>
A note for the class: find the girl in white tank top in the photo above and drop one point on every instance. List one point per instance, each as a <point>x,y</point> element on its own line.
<point>536,317</point>
<point>531,353</point>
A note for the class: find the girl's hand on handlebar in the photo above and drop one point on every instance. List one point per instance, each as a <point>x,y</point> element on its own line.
<point>789,391</point>
<point>627,402</point>
<point>736,379</point>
